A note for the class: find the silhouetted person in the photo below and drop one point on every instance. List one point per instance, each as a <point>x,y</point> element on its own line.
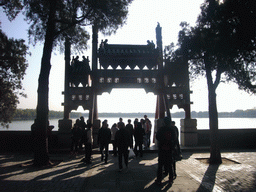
<point>165,136</point>
<point>135,123</point>
<point>129,128</point>
<point>104,137</point>
<point>88,144</point>
<point>148,127</point>
<point>83,126</point>
<point>142,121</point>
<point>76,136</point>
<point>177,152</point>
<point>120,123</point>
<point>139,132</point>
<point>114,129</point>
<point>84,71</point>
<point>123,141</point>
<point>89,124</point>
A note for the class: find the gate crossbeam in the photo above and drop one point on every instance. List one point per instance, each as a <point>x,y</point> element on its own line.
<point>109,79</point>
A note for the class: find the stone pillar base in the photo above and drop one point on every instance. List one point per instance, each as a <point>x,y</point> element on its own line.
<point>64,134</point>
<point>65,125</point>
<point>188,129</point>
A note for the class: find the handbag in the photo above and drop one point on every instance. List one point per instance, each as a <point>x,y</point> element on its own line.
<point>131,153</point>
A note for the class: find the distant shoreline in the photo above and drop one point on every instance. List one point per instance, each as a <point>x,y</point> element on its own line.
<point>118,115</point>
<point>30,114</point>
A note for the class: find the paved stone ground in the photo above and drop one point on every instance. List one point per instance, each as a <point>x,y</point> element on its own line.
<point>193,174</point>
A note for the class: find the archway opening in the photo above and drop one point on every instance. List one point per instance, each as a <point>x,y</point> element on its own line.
<point>128,104</point>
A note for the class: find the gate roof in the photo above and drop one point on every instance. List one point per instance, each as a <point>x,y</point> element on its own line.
<point>128,55</point>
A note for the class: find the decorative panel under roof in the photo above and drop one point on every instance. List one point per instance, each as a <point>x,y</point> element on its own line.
<point>115,55</point>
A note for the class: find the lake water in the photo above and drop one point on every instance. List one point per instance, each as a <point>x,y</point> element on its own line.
<point>202,123</point>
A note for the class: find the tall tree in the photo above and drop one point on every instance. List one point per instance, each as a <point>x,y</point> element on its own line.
<point>214,49</point>
<point>13,65</point>
<point>51,21</point>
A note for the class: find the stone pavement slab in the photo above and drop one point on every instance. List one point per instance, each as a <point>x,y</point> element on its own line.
<point>238,174</point>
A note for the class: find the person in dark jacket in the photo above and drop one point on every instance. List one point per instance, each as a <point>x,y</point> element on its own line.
<point>76,137</point>
<point>135,123</point>
<point>88,144</point>
<point>82,126</point>
<point>166,137</point>
<point>129,128</point>
<point>177,156</point>
<point>114,129</point>
<point>139,132</point>
<point>120,123</point>
<point>122,139</point>
<point>104,138</point>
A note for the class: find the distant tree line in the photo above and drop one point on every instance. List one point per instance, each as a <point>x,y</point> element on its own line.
<point>249,113</point>
<point>21,114</point>
<point>24,114</point>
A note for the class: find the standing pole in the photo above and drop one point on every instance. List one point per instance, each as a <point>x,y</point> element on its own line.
<point>187,86</point>
<point>94,48</point>
<point>94,112</point>
<point>162,99</point>
<point>66,87</point>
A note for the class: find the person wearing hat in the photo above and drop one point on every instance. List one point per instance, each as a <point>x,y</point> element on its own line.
<point>165,136</point>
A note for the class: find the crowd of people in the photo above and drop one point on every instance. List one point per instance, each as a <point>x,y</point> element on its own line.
<point>135,137</point>
<point>122,138</point>
<point>82,135</point>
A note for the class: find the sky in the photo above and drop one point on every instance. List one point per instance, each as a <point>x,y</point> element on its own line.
<point>140,26</point>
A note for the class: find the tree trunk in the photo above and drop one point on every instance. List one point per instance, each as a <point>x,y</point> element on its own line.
<point>215,157</point>
<point>41,156</point>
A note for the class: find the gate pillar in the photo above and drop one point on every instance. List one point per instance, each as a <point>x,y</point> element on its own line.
<point>188,127</point>
<point>96,123</point>
<point>65,124</point>
<point>161,104</point>
<point>94,111</point>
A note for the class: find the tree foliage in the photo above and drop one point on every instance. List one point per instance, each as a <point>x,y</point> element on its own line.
<point>11,8</point>
<point>227,34</point>
<point>13,65</point>
<point>72,17</point>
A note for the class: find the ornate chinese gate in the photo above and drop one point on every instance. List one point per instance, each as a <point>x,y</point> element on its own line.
<point>124,66</point>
